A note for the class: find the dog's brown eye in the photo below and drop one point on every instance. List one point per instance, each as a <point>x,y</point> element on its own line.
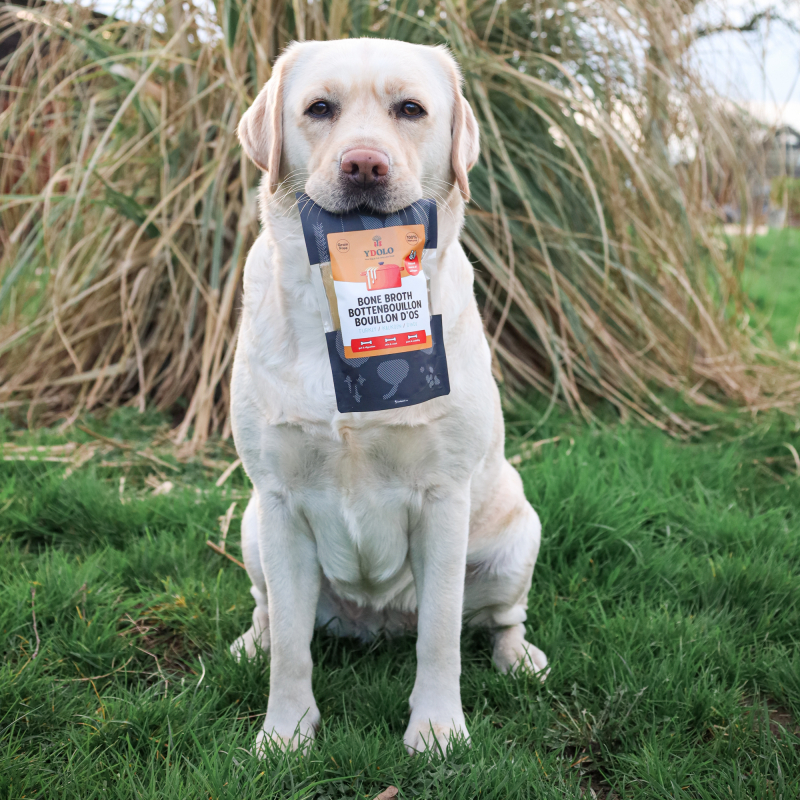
<point>410,109</point>
<point>319,109</point>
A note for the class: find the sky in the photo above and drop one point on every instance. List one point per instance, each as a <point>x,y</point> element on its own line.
<point>759,70</point>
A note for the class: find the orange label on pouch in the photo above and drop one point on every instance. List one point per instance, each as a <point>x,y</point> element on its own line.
<point>381,291</point>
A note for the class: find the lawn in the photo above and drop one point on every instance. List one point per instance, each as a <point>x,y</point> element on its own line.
<point>772,279</point>
<point>667,596</point>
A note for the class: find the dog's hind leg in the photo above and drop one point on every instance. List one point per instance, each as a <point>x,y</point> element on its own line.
<point>504,543</point>
<point>257,636</point>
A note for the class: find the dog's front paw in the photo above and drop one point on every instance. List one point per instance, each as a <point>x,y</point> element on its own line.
<point>250,643</point>
<point>284,731</point>
<point>255,638</point>
<point>425,734</point>
<point>512,653</point>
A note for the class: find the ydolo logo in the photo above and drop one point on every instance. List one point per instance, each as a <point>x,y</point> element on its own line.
<point>378,248</point>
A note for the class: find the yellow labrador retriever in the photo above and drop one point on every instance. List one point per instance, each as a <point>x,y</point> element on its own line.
<point>390,520</point>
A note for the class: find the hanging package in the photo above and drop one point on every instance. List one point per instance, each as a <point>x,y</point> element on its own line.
<point>372,278</point>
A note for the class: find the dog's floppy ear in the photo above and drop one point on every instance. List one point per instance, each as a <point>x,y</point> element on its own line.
<point>466,137</point>
<point>261,127</point>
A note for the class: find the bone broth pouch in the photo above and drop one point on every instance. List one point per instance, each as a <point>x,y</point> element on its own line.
<point>372,278</point>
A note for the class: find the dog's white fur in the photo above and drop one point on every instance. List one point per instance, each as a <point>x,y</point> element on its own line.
<point>371,521</point>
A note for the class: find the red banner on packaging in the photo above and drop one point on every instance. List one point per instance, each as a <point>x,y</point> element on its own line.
<point>389,342</point>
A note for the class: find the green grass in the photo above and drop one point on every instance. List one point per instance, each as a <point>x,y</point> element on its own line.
<point>772,279</point>
<point>667,596</point>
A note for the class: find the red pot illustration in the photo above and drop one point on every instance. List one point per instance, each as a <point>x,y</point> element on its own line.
<point>384,276</point>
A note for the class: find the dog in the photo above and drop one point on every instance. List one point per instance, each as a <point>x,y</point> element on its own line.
<point>390,520</point>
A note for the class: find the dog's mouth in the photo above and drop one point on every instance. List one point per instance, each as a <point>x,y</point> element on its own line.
<point>344,196</point>
<point>375,196</point>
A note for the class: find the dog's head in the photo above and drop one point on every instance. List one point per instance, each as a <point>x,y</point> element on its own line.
<point>363,122</point>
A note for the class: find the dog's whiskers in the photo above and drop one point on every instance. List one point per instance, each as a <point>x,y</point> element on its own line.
<point>442,203</point>
<point>291,184</point>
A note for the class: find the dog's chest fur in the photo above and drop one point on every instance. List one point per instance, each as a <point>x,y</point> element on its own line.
<point>360,493</point>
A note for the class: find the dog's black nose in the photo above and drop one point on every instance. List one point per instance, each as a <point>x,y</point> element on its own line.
<point>365,168</point>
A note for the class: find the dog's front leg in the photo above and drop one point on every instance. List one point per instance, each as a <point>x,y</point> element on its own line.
<point>292,572</point>
<point>438,549</point>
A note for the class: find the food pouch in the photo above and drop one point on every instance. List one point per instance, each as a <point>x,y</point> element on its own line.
<point>371,274</point>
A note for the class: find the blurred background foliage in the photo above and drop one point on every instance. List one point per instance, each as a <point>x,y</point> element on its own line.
<point>128,207</point>
<point>786,192</point>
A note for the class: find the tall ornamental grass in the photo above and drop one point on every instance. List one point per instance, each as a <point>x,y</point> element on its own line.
<point>128,207</point>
